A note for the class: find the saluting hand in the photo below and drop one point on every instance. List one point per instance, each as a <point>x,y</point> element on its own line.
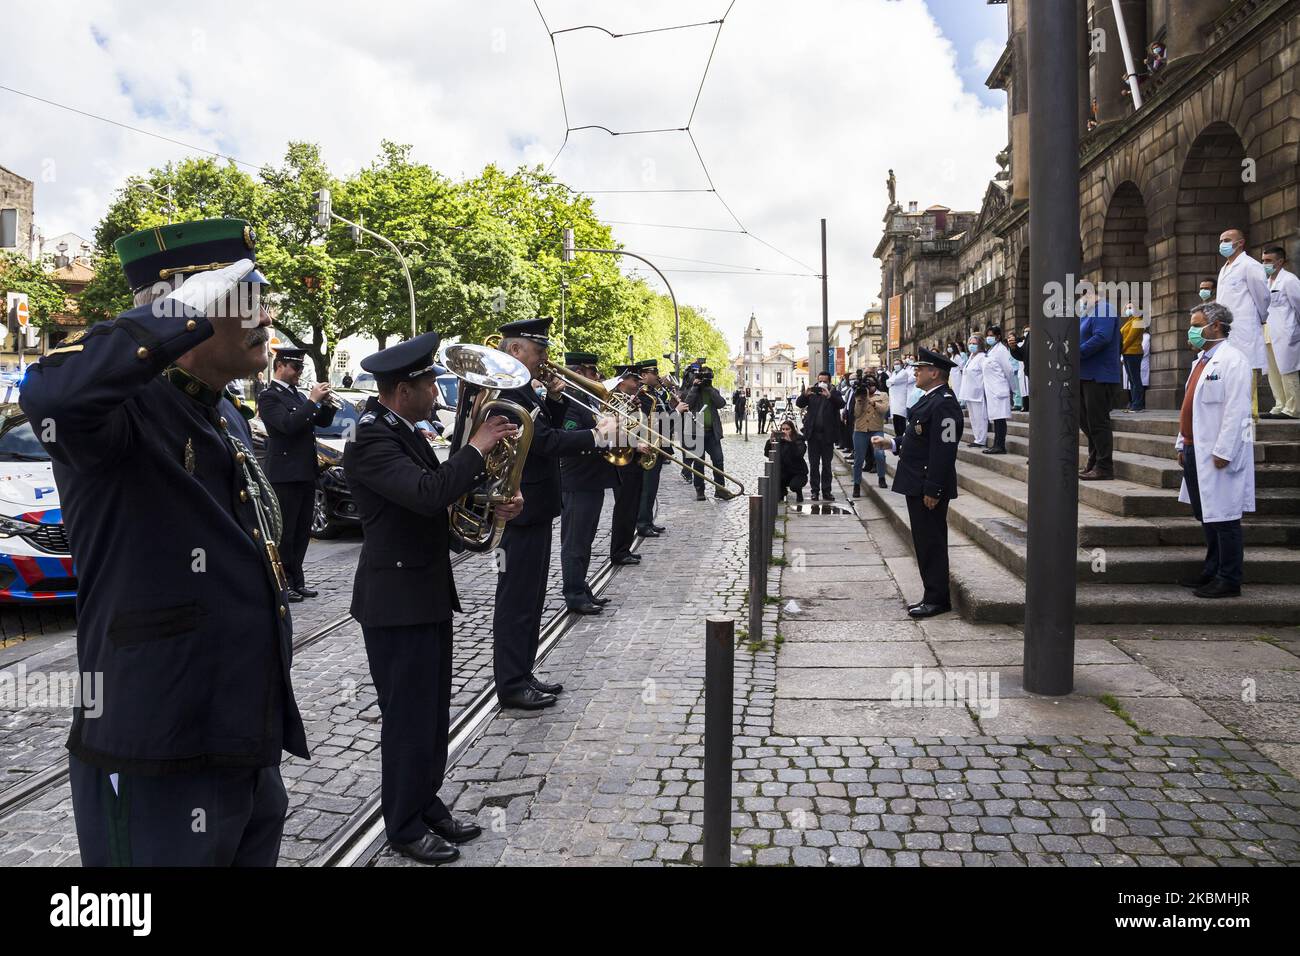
<point>491,432</point>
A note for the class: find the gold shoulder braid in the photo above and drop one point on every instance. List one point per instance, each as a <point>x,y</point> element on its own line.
<point>265,505</point>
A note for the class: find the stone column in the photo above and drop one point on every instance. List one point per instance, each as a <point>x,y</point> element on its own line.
<point>1186,18</point>
<point>1112,104</point>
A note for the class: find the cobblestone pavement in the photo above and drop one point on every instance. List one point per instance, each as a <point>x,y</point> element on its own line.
<point>613,776</point>
<point>334,692</point>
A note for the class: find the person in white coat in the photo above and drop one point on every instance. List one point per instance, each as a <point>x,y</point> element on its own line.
<point>972,391</point>
<point>1282,335</point>
<point>1243,290</point>
<point>999,375</point>
<point>900,384</point>
<point>1215,448</point>
<point>954,376</point>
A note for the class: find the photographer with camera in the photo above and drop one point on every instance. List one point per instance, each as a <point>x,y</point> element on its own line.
<point>792,469</point>
<point>870,409</point>
<point>704,402</point>
<point>821,426</point>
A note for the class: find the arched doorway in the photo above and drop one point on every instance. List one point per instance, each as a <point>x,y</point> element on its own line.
<point>1211,198</point>
<point>1125,264</point>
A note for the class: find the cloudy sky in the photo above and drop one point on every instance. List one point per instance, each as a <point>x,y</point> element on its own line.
<point>804,109</point>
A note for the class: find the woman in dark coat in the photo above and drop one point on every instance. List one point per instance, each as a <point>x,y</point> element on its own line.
<point>792,461</point>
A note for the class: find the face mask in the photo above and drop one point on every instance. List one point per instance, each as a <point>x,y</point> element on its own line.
<point>1268,268</point>
<point>972,348</point>
<point>897,366</point>
<point>1128,313</point>
<point>1196,337</point>
<point>1205,295</point>
<point>990,340</point>
<point>1225,249</point>
<point>915,395</point>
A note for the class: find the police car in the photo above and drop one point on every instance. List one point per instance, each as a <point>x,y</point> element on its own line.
<point>35,562</point>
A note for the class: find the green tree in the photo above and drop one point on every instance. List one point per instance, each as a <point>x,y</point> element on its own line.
<point>44,296</point>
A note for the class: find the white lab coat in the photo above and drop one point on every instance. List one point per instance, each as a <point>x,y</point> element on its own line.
<point>954,375</point>
<point>1284,321</point>
<point>1243,288</point>
<point>999,372</point>
<point>1222,427</point>
<point>972,379</point>
<point>1146,359</point>
<point>900,385</point>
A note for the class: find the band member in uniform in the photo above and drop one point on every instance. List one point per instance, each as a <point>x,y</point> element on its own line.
<point>181,601</point>
<point>404,593</point>
<point>525,558</point>
<point>583,480</point>
<point>927,475</point>
<point>656,401</point>
<point>627,496</point>
<point>291,421</point>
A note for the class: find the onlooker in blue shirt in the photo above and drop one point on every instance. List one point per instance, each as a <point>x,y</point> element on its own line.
<point>1099,373</point>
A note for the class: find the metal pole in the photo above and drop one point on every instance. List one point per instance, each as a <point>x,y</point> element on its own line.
<point>719,650</point>
<point>677,317</point>
<point>563,285</point>
<point>826,326</point>
<point>764,489</point>
<point>406,270</point>
<point>757,568</point>
<point>1054,427</point>
<point>1130,71</point>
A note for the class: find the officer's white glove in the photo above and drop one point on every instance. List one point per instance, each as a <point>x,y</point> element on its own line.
<point>201,291</point>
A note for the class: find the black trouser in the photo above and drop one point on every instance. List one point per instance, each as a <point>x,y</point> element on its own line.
<point>762,421</point>
<point>154,821</point>
<point>900,425</point>
<point>411,668</point>
<point>297,500</point>
<point>525,565</point>
<point>820,451</point>
<point>1224,551</point>
<point>645,516</point>
<point>793,483</point>
<point>1000,433</point>
<point>740,419</point>
<point>578,525</point>
<point>1094,422</point>
<point>627,504</point>
<point>713,448</point>
<point>930,542</point>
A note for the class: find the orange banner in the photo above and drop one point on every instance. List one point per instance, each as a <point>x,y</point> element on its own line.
<point>895,322</point>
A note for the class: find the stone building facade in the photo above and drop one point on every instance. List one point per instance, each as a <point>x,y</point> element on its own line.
<point>764,371</point>
<point>17,201</point>
<point>1215,144</point>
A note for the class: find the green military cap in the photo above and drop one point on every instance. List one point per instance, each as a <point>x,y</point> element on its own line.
<point>178,248</point>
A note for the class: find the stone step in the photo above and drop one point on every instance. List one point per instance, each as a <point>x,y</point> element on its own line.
<point>984,590</point>
<point>1160,422</point>
<point>1115,497</point>
<point>1162,446</point>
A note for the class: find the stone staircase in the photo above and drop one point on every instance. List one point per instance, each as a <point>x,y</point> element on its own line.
<point>1135,539</point>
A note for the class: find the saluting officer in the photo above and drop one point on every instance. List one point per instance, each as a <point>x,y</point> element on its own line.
<point>404,593</point>
<point>291,421</point>
<point>655,401</point>
<point>181,602</point>
<point>525,558</point>
<point>927,475</point>
<point>627,496</point>
<point>583,480</point>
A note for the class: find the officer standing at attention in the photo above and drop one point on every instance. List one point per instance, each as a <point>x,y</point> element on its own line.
<point>927,475</point>
<point>583,480</point>
<point>404,593</point>
<point>525,550</point>
<point>181,605</point>
<point>290,421</point>
<point>655,401</point>
<point>631,477</point>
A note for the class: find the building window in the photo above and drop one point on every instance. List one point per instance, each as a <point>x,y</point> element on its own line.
<point>778,378</point>
<point>8,228</point>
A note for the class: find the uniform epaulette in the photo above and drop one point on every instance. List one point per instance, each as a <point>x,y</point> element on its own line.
<point>367,419</point>
<point>390,418</point>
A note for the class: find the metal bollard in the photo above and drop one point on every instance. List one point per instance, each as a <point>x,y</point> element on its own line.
<point>757,569</point>
<point>776,499</point>
<point>764,545</point>
<point>719,650</point>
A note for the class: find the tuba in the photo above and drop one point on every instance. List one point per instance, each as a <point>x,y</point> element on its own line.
<point>484,373</point>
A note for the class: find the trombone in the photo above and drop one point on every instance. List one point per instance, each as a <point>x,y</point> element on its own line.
<point>659,442</point>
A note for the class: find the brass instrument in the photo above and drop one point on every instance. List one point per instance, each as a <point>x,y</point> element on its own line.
<point>484,374</point>
<point>619,407</point>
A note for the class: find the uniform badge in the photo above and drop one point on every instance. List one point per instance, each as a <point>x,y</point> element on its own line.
<point>570,424</point>
<point>189,455</point>
<point>917,426</point>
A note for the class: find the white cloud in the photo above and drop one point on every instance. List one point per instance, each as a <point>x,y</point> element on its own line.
<point>802,115</point>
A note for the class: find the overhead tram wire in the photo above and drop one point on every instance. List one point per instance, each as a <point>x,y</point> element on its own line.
<point>699,92</point>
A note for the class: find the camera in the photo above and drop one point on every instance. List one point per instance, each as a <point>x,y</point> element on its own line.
<point>863,384</point>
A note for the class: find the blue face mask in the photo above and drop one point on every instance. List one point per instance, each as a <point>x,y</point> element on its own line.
<point>915,395</point>
<point>972,348</point>
<point>990,340</point>
<point>1268,268</point>
<point>1205,295</point>
<point>1225,248</point>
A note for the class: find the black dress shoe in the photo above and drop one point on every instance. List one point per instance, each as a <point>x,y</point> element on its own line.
<point>307,592</point>
<point>453,831</point>
<point>658,527</point>
<point>995,451</point>
<point>1196,582</point>
<point>543,687</point>
<point>527,698</point>
<point>816,496</point>
<point>724,495</point>
<point>293,596</point>
<point>586,607</point>
<point>647,533</point>
<point>1218,588</point>
<point>828,497</point>
<point>857,491</point>
<point>430,848</point>
<point>598,601</point>
<point>883,483</point>
<point>699,496</point>
<point>626,559</point>
<point>928,610</point>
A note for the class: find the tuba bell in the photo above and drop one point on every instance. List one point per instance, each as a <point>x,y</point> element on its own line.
<point>484,373</point>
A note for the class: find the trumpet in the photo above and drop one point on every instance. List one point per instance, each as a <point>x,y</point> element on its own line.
<point>627,409</point>
<point>485,373</point>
